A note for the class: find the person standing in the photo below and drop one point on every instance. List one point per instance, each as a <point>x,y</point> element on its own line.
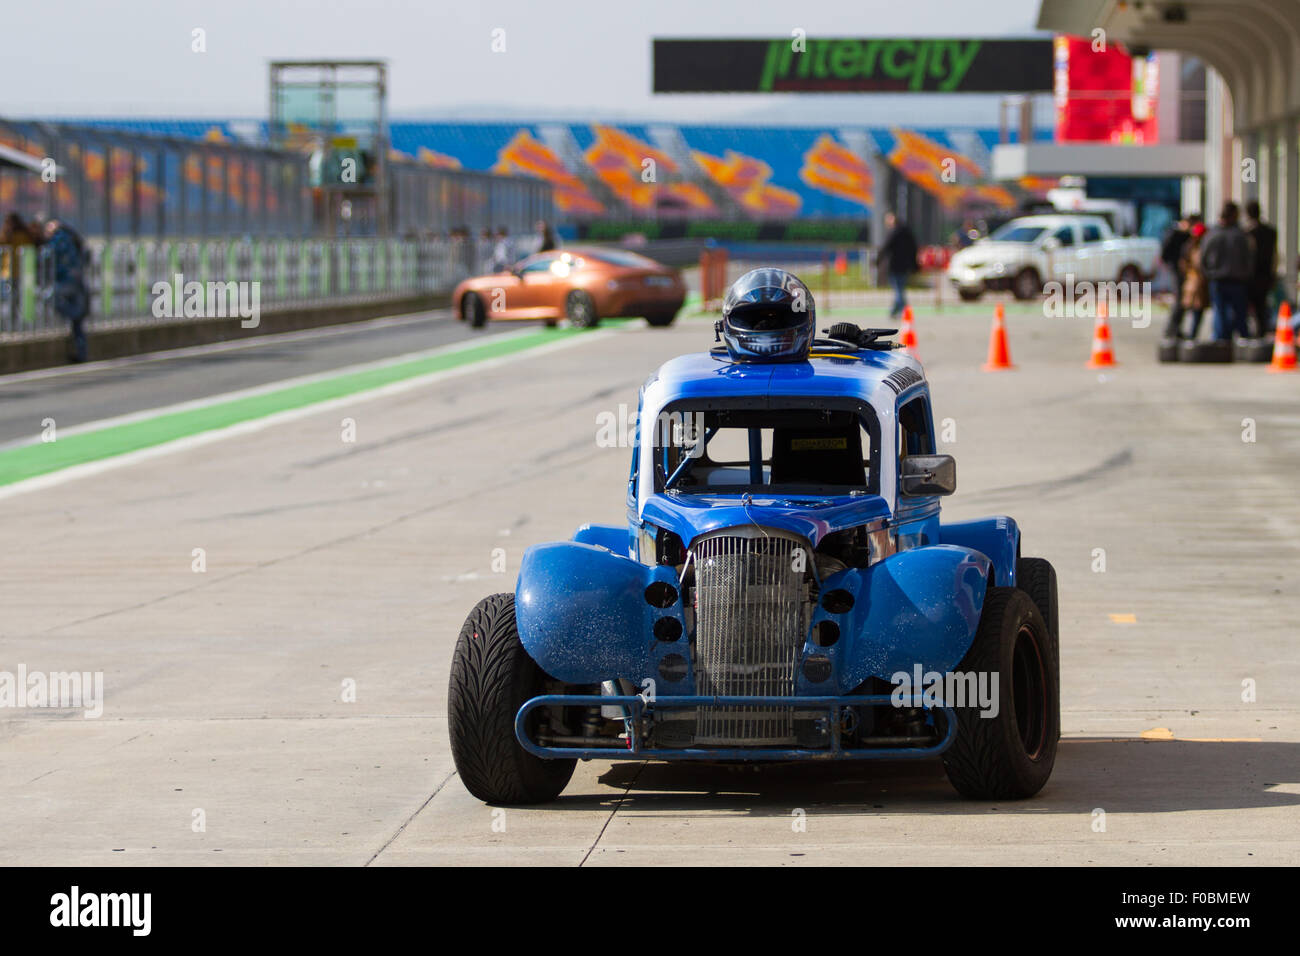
<point>1193,293</point>
<point>1229,264</point>
<point>1171,254</point>
<point>503,253</point>
<point>1263,238</point>
<point>899,254</point>
<point>547,234</point>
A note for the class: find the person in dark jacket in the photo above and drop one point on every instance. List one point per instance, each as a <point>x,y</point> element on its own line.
<point>1171,254</point>
<point>1229,264</point>
<point>898,252</point>
<point>549,241</point>
<point>1264,239</point>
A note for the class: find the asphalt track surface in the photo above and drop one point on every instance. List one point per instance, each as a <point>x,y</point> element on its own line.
<point>76,395</point>
<point>333,565</point>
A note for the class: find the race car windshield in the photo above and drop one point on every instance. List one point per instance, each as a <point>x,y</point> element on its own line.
<point>770,451</point>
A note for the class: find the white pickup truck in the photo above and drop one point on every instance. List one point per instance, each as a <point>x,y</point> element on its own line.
<point>1026,253</point>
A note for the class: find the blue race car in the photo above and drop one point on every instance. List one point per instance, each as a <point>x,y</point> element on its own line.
<point>783,590</point>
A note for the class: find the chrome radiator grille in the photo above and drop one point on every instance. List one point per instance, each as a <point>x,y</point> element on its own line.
<point>751,620</point>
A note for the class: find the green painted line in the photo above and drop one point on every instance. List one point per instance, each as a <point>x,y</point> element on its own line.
<point>30,461</point>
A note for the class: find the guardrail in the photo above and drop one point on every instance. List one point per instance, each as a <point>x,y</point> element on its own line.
<point>140,282</point>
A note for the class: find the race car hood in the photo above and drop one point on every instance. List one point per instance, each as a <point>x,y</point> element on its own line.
<point>689,516</point>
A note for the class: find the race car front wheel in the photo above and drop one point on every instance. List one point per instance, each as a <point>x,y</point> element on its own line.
<point>1005,745</point>
<point>491,678</point>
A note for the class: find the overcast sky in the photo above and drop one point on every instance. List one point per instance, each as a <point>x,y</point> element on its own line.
<point>563,58</point>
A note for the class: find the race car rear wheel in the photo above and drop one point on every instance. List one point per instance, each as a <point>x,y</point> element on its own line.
<point>580,310</point>
<point>1009,755</point>
<point>471,308</point>
<point>491,677</point>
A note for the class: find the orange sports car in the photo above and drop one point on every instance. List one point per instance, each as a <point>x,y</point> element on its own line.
<point>581,284</point>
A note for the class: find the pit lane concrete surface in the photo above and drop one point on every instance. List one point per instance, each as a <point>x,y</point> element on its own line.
<point>273,612</point>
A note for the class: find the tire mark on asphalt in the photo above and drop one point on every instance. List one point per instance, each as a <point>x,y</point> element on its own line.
<point>1116,461</point>
<point>408,820</point>
<point>397,439</point>
<point>610,819</point>
<point>296,506</point>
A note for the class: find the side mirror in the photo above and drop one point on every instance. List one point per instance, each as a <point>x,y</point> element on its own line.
<point>1051,244</point>
<point>922,475</point>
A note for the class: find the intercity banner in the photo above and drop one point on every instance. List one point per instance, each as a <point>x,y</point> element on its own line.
<point>869,65</point>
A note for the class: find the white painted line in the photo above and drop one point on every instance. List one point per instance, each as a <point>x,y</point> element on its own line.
<point>90,468</point>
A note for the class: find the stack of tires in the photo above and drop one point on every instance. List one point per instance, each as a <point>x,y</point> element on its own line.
<point>1213,351</point>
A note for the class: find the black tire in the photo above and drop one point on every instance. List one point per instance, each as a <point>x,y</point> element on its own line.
<point>1130,273</point>
<point>1256,350</point>
<point>661,319</point>
<point>970,295</point>
<point>581,310</point>
<point>1027,284</point>
<point>1167,350</point>
<point>491,677</point>
<point>473,310</point>
<point>1205,352</point>
<point>1010,756</point>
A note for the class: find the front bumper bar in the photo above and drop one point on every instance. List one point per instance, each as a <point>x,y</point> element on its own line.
<point>638,708</point>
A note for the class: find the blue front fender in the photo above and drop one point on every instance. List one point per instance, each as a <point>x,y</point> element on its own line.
<point>921,606</point>
<point>998,538</point>
<point>583,615</point>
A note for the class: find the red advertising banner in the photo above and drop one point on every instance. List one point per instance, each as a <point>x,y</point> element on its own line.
<point>1103,95</point>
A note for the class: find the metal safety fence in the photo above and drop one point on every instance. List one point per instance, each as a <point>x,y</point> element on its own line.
<point>139,281</point>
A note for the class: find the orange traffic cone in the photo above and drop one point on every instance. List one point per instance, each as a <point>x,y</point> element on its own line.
<point>1283,342</point>
<point>907,339</point>
<point>1102,355</point>
<point>999,351</point>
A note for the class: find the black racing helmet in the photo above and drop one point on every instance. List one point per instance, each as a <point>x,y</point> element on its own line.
<point>768,316</point>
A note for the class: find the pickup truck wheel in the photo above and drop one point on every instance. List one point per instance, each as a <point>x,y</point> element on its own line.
<point>1130,273</point>
<point>581,311</point>
<point>970,295</point>
<point>491,678</point>
<point>472,310</point>
<point>1008,756</point>
<point>1027,284</point>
